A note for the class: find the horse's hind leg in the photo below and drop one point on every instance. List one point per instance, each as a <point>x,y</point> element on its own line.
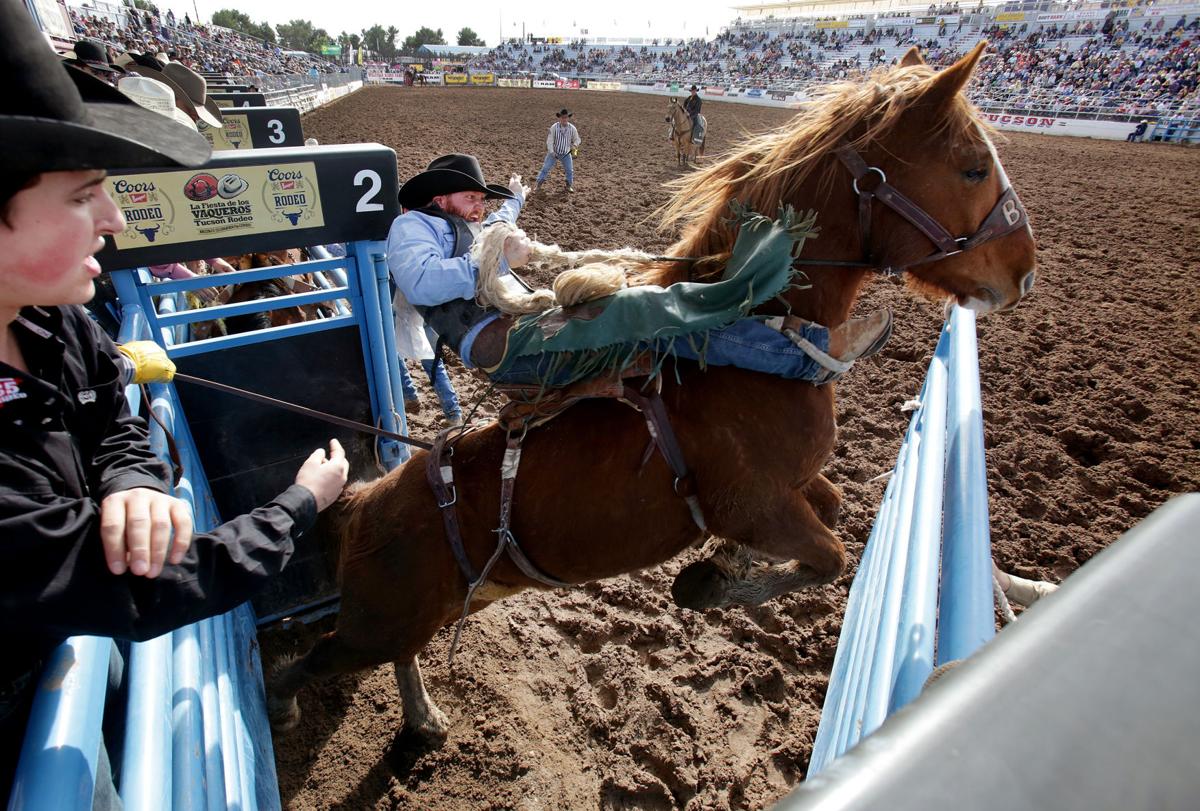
<point>329,657</point>
<point>422,718</point>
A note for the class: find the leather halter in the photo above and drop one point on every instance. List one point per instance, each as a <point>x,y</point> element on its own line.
<point>870,183</point>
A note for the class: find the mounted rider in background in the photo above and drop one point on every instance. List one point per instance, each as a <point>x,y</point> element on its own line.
<point>691,106</point>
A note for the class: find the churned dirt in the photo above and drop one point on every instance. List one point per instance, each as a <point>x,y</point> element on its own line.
<point>613,698</point>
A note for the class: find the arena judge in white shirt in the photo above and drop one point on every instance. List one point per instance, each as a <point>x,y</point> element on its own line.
<point>562,145</point>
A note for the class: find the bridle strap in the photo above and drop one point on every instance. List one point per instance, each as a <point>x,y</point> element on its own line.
<point>893,199</point>
<point>870,183</point>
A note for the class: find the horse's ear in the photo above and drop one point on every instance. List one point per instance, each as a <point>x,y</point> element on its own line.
<point>953,79</point>
<point>913,57</point>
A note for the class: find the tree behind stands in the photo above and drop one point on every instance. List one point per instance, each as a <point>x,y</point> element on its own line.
<point>468,37</point>
<point>232,18</point>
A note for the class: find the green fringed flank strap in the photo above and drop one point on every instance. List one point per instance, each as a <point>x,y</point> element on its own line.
<point>615,329</point>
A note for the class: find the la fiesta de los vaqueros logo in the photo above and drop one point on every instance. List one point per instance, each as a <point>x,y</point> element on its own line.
<point>290,195</point>
<point>216,207</point>
<point>149,214</point>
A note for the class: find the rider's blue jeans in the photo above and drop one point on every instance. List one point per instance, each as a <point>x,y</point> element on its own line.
<point>747,344</point>
<point>442,387</point>
<point>568,166</point>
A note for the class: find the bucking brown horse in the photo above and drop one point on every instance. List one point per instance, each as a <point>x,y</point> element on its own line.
<point>905,180</point>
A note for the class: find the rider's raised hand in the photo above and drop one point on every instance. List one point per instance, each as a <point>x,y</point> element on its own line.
<point>516,187</point>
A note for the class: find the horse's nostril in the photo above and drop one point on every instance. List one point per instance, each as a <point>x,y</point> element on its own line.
<point>1027,282</point>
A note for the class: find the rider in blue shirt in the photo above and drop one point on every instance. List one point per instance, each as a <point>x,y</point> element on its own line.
<point>427,254</point>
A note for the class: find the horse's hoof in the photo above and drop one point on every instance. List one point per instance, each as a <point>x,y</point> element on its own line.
<point>699,586</point>
<point>431,730</point>
<point>284,715</point>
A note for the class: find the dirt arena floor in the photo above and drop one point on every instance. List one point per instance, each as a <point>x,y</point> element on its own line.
<point>613,698</point>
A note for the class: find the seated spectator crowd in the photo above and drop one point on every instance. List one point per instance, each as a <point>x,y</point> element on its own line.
<point>1150,66</point>
<point>205,48</point>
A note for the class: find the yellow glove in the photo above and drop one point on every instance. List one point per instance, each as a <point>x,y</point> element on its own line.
<point>574,152</point>
<point>150,362</point>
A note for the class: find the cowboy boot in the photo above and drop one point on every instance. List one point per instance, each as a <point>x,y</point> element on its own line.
<point>1021,591</point>
<point>861,337</point>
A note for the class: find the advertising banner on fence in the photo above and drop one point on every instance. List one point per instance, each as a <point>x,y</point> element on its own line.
<point>432,78</point>
<point>483,79</point>
<point>1010,17</point>
<point>755,93</point>
<point>714,91</point>
<point>594,84</point>
<point>567,84</point>
<point>1018,121</point>
<point>544,84</point>
<point>456,78</point>
<point>513,82</point>
<point>833,24</point>
<point>1054,17</point>
<point>189,206</point>
<point>385,77</point>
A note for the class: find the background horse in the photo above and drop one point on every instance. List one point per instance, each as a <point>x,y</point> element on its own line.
<point>270,288</point>
<point>586,508</point>
<point>681,134</point>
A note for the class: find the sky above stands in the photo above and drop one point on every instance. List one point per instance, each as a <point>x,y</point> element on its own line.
<point>624,18</point>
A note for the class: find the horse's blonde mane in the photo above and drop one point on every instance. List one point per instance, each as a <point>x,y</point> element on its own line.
<point>771,168</point>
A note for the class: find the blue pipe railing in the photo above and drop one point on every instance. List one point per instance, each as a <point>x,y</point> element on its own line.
<point>967,618</point>
<point>57,768</point>
<point>922,593</point>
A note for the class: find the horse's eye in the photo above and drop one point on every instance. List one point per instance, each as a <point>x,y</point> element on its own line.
<point>976,175</point>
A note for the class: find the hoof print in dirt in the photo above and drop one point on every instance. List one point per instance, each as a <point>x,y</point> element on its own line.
<point>699,586</point>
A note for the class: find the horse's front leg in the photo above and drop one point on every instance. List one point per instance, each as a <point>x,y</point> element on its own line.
<point>422,718</point>
<point>791,531</point>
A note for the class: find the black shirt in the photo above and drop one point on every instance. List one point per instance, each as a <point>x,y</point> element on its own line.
<point>68,440</point>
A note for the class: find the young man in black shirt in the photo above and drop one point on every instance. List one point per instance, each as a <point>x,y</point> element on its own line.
<point>90,540</point>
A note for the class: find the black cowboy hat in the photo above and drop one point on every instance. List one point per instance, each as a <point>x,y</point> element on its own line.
<point>694,89</point>
<point>91,54</point>
<point>447,175</point>
<point>55,118</point>
<point>562,112</point>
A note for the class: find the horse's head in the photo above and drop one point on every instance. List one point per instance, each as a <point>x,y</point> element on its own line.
<point>940,155</point>
<point>941,209</point>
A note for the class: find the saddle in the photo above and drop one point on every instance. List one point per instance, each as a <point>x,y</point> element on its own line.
<point>698,131</point>
<point>529,405</point>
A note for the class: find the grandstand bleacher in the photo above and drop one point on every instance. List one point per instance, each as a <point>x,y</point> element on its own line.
<point>1115,61</point>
